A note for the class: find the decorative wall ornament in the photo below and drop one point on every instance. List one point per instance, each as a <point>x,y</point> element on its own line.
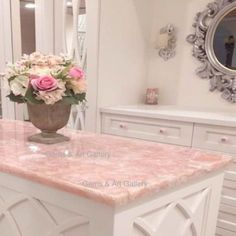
<point>222,77</point>
<point>166,42</point>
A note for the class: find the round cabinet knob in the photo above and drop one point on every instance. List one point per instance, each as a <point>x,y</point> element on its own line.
<point>224,139</point>
<point>123,126</point>
<point>162,131</point>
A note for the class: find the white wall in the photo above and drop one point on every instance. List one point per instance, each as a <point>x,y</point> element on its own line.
<point>123,58</point>
<point>178,83</point>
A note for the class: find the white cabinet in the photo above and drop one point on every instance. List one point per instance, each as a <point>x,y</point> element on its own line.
<point>204,130</point>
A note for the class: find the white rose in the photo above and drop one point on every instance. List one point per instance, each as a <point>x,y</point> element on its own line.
<point>19,85</point>
<point>78,86</point>
<point>51,97</point>
<point>39,70</point>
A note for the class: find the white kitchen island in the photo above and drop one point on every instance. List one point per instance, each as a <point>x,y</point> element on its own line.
<point>98,185</point>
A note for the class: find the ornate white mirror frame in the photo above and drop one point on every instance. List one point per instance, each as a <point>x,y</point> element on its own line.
<point>221,78</point>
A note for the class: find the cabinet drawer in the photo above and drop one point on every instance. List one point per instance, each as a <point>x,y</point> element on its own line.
<point>217,138</point>
<point>230,184</point>
<point>228,200</point>
<point>228,191</point>
<point>232,167</point>
<point>230,175</point>
<point>228,213</point>
<point>227,225</point>
<point>172,132</point>
<point>229,218</point>
<point>224,232</point>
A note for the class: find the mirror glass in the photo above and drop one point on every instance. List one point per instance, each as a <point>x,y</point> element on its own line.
<point>27,21</point>
<point>69,26</point>
<point>82,29</point>
<point>225,41</point>
<point>75,29</point>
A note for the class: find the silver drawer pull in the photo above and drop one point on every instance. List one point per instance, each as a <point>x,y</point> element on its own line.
<point>162,131</point>
<point>224,139</point>
<point>123,126</point>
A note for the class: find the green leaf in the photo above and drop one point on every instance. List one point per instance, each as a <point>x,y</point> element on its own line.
<point>17,99</point>
<point>74,99</point>
<point>63,74</point>
<point>80,97</point>
<point>31,97</point>
<point>11,78</point>
<point>70,100</point>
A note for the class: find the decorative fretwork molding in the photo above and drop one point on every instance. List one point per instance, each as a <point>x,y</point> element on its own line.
<point>187,210</point>
<point>39,211</point>
<point>78,51</point>
<point>78,47</point>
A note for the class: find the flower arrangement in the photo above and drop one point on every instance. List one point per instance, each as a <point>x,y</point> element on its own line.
<point>39,78</point>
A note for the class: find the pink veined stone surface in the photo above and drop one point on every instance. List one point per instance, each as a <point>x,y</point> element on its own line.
<point>107,169</point>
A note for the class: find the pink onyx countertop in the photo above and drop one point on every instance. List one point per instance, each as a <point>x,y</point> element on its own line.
<point>107,169</point>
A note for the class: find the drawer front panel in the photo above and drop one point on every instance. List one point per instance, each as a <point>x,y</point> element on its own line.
<point>228,213</point>
<point>224,232</point>
<point>230,175</point>
<point>227,225</point>
<point>228,200</point>
<point>230,184</point>
<point>172,132</point>
<point>229,189</point>
<point>217,138</point>
<point>230,218</point>
<point>229,192</point>
<point>232,167</point>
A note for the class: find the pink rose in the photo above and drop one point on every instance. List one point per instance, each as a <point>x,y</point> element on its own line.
<point>44,83</point>
<point>76,73</point>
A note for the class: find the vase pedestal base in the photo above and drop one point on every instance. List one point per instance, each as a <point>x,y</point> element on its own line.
<point>48,138</point>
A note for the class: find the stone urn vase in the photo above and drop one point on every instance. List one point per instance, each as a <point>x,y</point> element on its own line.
<point>49,119</point>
